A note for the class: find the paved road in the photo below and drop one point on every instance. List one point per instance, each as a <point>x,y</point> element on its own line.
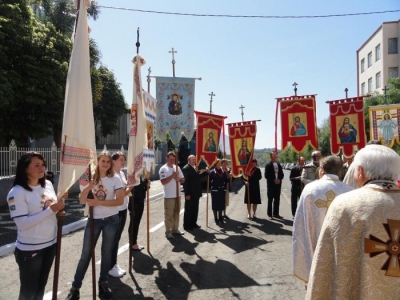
<point>243,259</point>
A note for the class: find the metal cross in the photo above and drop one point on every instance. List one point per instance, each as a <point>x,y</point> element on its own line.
<point>148,80</point>
<point>295,84</point>
<point>385,94</point>
<point>211,100</point>
<point>173,60</point>
<point>346,90</point>
<point>137,42</point>
<point>241,107</point>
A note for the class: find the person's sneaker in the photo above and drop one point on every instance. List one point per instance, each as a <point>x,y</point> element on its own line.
<point>114,272</point>
<point>73,294</point>
<point>104,290</point>
<point>178,232</point>
<point>169,235</point>
<point>120,269</point>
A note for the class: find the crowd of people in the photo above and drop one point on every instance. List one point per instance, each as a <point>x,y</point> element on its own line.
<point>345,213</point>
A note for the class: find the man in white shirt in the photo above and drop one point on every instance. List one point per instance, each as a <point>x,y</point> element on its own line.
<point>170,176</point>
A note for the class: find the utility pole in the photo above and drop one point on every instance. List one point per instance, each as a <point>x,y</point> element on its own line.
<point>211,100</point>
<point>295,84</point>
<point>173,60</point>
<point>241,107</point>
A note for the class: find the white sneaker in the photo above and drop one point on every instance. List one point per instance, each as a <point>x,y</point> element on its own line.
<point>114,272</point>
<point>169,235</point>
<point>178,232</point>
<point>122,271</point>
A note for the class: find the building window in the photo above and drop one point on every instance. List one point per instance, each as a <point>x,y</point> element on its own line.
<point>378,81</point>
<point>393,47</point>
<point>363,89</point>
<point>369,59</point>
<point>362,65</point>
<point>370,85</point>
<point>378,52</point>
<point>393,72</point>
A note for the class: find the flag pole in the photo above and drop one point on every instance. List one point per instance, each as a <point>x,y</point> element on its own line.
<point>178,196</point>
<point>130,230</point>
<point>208,189</point>
<point>92,243</point>
<point>148,211</point>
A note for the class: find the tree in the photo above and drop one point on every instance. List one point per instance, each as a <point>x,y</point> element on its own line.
<point>111,106</point>
<point>32,74</point>
<point>324,138</point>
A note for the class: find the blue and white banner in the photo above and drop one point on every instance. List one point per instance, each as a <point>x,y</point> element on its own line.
<point>175,108</point>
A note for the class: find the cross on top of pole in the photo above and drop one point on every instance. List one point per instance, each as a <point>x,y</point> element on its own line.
<point>346,90</point>
<point>385,94</point>
<point>173,52</point>
<point>137,42</point>
<point>241,107</point>
<point>211,100</point>
<point>295,84</point>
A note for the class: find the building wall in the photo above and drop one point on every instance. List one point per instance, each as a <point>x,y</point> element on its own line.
<point>379,37</point>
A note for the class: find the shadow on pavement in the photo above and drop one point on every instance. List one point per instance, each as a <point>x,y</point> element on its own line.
<point>272,227</point>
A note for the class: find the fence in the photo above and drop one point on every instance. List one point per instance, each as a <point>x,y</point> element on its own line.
<point>9,157</point>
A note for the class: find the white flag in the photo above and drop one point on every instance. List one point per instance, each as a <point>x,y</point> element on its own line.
<point>137,135</point>
<point>150,111</point>
<point>78,136</point>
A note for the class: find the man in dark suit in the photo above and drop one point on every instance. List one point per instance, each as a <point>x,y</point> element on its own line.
<point>274,175</point>
<point>297,185</point>
<point>193,192</point>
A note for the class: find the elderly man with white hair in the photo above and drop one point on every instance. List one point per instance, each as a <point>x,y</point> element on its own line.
<point>357,254</point>
<point>311,170</point>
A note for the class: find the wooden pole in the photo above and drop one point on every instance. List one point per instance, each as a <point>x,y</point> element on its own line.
<point>130,230</point>
<point>60,218</point>
<point>208,189</point>
<point>92,247</point>
<point>178,197</point>
<point>148,211</point>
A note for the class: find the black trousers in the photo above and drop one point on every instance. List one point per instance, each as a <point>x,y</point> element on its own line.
<point>274,198</point>
<point>296,192</point>
<point>138,208</point>
<point>191,212</point>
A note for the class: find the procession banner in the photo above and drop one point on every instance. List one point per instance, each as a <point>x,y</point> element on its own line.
<point>384,124</point>
<point>175,108</point>
<point>242,138</point>
<point>298,122</point>
<point>137,134</point>
<point>150,112</point>
<point>347,125</point>
<point>208,135</point>
<point>78,144</point>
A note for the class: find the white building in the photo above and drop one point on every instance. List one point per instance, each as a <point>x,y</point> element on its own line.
<point>378,58</point>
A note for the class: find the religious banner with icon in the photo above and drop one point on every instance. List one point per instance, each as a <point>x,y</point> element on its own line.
<point>208,134</point>
<point>242,138</point>
<point>175,108</point>
<point>150,111</point>
<point>298,122</point>
<point>384,124</point>
<point>347,125</point>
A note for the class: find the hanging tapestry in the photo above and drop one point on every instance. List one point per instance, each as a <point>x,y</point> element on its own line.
<point>175,108</point>
<point>242,138</point>
<point>208,135</point>
<point>347,125</point>
<point>384,124</point>
<point>298,122</point>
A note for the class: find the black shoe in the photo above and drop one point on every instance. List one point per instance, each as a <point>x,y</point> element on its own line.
<point>104,290</point>
<point>278,217</point>
<point>221,220</point>
<point>187,228</point>
<point>73,294</point>
<point>196,226</point>
<point>216,221</point>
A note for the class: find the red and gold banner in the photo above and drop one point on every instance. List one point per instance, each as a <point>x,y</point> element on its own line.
<point>242,138</point>
<point>384,124</point>
<point>208,134</point>
<point>298,122</point>
<point>347,125</point>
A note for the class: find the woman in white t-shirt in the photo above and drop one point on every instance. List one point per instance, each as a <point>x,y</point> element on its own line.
<point>107,195</point>
<point>118,163</point>
<point>33,205</point>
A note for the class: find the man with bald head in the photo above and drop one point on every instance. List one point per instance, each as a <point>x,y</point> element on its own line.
<point>357,254</point>
<point>193,193</point>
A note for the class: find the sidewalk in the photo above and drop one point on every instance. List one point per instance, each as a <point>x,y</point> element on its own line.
<point>74,218</point>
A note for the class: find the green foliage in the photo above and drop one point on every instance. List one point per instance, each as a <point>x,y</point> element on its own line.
<point>324,138</point>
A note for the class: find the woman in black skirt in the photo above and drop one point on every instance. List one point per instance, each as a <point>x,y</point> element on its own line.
<point>218,182</point>
<point>254,176</point>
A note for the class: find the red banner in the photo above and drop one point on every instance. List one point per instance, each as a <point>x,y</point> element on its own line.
<point>298,122</point>
<point>207,137</point>
<point>242,138</point>
<point>347,125</point>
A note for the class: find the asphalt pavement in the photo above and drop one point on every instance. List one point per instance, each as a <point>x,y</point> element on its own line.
<point>242,259</point>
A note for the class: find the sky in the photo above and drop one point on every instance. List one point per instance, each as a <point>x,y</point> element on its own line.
<point>243,61</point>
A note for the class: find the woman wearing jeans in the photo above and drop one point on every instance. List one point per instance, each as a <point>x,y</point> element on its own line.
<point>33,205</point>
<point>108,194</point>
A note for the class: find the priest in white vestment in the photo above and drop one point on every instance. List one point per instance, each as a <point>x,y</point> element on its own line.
<point>314,202</point>
<point>358,251</point>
